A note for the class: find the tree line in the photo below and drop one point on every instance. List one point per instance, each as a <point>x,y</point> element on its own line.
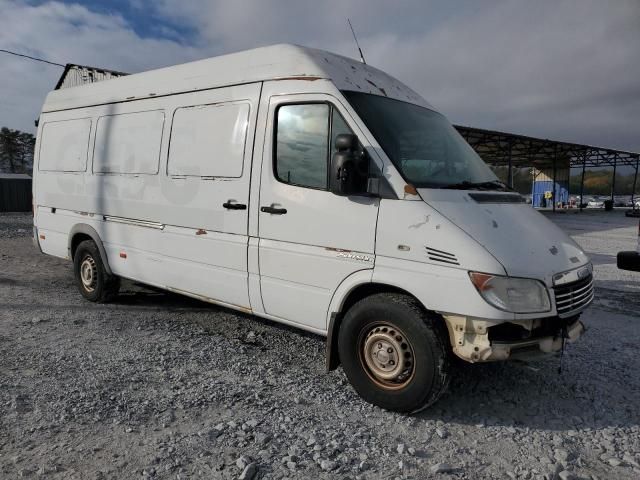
<point>16,151</point>
<point>596,182</point>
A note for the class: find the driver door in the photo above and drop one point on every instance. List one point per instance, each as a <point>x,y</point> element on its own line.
<point>310,239</point>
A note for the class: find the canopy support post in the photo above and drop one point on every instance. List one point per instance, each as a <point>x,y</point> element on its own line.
<point>553,193</point>
<point>510,171</point>
<point>635,181</point>
<point>584,164</point>
<point>613,180</point>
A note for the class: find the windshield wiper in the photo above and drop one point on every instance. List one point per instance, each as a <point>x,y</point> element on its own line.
<point>490,185</point>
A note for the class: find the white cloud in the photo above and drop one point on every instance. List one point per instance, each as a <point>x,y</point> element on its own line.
<point>563,69</point>
<point>68,33</point>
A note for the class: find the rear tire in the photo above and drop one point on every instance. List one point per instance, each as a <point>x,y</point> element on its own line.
<point>395,353</point>
<point>94,283</point>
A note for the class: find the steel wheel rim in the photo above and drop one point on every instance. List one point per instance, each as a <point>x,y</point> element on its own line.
<point>386,356</point>
<point>88,273</point>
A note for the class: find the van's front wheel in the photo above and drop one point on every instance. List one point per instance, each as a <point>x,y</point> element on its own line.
<point>394,353</point>
<point>93,281</point>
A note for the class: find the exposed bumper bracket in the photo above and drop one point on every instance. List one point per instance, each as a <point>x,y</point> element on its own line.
<point>470,341</point>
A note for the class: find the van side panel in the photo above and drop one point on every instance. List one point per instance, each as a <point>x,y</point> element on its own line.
<point>129,143</point>
<point>162,221</point>
<point>196,131</point>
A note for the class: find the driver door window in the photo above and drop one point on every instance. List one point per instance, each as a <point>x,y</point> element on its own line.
<point>304,143</point>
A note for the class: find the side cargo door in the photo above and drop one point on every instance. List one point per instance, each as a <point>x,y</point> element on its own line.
<point>208,173</point>
<point>185,228</point>
<point>310,240</point>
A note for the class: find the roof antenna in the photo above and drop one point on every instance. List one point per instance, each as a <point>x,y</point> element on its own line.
<point>357,44</point>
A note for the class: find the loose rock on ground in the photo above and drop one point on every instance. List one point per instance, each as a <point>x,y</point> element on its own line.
<point>160,386</point>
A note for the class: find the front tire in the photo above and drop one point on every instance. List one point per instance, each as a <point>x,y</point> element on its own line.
<point>94,283</point>
<point>394,353</point>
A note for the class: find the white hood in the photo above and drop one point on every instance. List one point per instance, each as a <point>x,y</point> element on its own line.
<point>525,242</point>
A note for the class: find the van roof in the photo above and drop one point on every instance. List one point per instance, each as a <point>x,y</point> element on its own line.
<point>282,61</point>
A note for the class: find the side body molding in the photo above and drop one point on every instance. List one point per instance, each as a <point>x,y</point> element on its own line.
<point>91,232</point>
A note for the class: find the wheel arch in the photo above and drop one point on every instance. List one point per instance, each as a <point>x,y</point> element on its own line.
<point>81,232</point>
<point>345,297</point>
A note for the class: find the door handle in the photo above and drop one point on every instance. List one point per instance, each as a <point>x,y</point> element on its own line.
<point>273,210</point>
<point>234,206</point>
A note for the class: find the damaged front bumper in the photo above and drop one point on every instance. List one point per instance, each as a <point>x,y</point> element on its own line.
<point>479,340</point>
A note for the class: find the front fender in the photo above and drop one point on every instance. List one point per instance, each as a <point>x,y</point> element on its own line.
<point>440,289</point>
<point>348,285</point>
<point>341,293</point>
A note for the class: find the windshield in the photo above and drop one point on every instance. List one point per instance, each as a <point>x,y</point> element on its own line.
<point>422,144</point>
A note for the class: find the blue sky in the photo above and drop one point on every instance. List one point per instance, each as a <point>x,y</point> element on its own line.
<point>561,69</point>
<point>142,18</point>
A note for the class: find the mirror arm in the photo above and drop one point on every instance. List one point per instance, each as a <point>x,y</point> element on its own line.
<point>380,187</point>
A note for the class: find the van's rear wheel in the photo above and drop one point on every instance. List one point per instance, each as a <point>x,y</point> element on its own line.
<point>93,281</point>
<point>394,353</point>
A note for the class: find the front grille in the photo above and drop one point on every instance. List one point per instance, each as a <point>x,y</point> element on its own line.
<point>573,297</point>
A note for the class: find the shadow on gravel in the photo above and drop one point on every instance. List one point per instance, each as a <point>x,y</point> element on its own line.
<point>141,296</point>
<point>590,221</point>
<point>518,394</point>
<point>138,295</point>
<point>602,259</point>
<point>622,297</point>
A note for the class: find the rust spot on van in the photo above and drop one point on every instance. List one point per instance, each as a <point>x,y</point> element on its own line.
<point>334,249</point>
<point>201,231</point>
<point>210,300</point>
<point>410,189</point>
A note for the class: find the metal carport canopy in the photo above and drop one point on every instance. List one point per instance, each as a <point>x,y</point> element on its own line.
<point>501,148</point>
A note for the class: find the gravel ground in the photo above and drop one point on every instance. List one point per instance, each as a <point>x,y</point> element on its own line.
<point>161,386</point>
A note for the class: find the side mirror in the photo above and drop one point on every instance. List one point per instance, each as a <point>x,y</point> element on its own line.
<point>344,175</point>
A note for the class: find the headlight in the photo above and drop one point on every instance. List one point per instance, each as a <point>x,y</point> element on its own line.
<point>517,295</point>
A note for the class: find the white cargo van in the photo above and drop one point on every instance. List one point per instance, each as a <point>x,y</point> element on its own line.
<point>313,190</point>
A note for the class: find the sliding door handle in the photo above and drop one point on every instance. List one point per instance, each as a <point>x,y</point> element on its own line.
<point>229,205</point>
<point>273,210</point>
